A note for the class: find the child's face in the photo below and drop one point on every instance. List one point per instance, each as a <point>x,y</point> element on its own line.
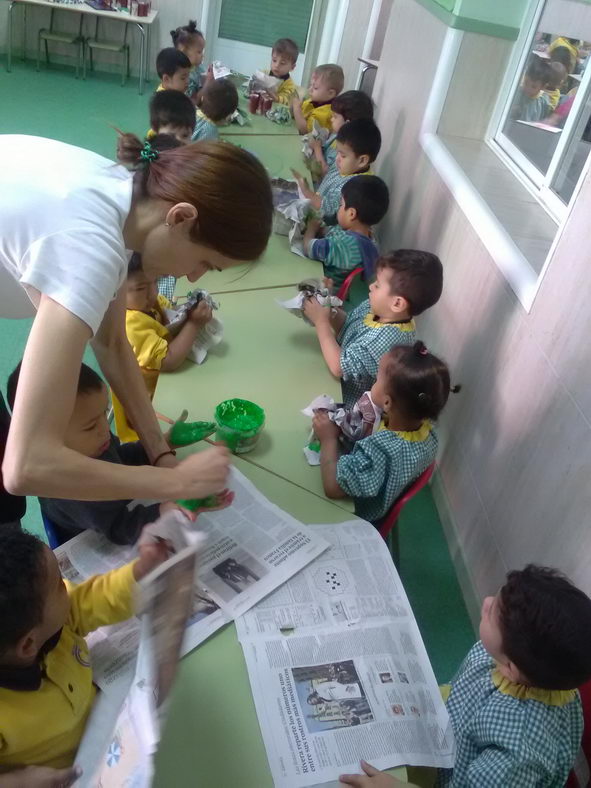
<point>182,133</point>
<point>142,292</point>
<point>194,50</point>
<point>88,432</point>
<point>336,121</point>
<point>281,64</point>
<point>346,216</point>
<point>531,87</point>
<point>348,162</point>
<point>178,81</point>
<point>319,90</point>
<point>382,301</point>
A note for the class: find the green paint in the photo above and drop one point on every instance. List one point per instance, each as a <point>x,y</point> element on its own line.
<point>239,424</point>
<point>486,21</point>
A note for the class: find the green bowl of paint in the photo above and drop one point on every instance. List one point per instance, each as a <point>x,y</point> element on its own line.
<point>239,424</point>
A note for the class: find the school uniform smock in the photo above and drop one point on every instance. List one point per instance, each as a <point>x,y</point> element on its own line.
<point>363,341</point>
<point>321,113</point>
<point>205,129</point>
<point>380,467</point>
<point>286,90</point>
<point>330,188</point>
<point>44,708</point>
<point>196,79</point>
<point>329,150</point>
<point>508,734</point>
<point>62,214</point>
<point>340,251</point>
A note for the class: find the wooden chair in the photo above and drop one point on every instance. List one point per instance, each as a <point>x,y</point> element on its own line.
<point>47,34</point>
<point>117,47</point>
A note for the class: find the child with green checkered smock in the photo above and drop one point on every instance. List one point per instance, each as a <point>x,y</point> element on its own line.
<point>364,202</point>
<point>514,707</point>
<point>219,99</point>
<point>407,283</point>
<point>412,388</point>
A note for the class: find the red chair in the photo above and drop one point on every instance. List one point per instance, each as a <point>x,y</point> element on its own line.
<point>387,526</point>
<point>580,775</point>
<point>346,286</point>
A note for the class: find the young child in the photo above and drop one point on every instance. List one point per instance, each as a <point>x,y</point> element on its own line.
<point>407,283</point>
<point>153,346</point>
<point>326,82</point>
<point>284,57</point>
<point>411,388</point>
<point>364,202</point>
<point>190,41</point>
<point>173,113</point>
<point>358,143</point>
<point>88,433</point>
<point>46,686</point>
<point>532,104</point>
<point>514,707</point>
<point>173,67</point>
<point>557,75</point>
<point>219,100</point>
<point>351,105</point>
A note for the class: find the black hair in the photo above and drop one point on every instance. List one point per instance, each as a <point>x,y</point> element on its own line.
<point>369,195</point>
<point>545,624</point>
<point>556,74</point>
<point>88,381</point>
<point>219,99</point>
<point>171,108</point>
<point>562,55</point>
<point>417,381</point>
<point>417,277</point>
<point>170,60</point>
<point>183,35</point>
<point>537,70</point>
<point>135,264</point>
<point>23,581</point>
<point>287,47</point>
<point>362,136</point>
<point>352,105</point>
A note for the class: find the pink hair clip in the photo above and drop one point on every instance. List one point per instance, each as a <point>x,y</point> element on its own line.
<point>423,351</point>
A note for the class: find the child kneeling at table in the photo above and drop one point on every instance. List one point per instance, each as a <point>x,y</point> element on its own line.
<point>46,687</point>
<point>364,202</point>
<point>412,388</point>
<point>88,433</point>
<point>407,283</point>
<point>514,708</point>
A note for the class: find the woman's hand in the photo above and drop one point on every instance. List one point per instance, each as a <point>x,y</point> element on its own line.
<point>203,474</point>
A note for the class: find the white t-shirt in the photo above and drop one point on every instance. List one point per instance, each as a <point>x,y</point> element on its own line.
<point>62,212</point>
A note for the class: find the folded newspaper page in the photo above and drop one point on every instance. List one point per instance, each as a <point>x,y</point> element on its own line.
<point>338,668</point>
<point>252,548</point>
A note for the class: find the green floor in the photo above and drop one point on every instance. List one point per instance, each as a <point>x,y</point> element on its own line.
<point>54,104</point>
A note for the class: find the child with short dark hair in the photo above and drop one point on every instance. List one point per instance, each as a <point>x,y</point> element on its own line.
<point>46,686</point>
<point>358,144</point>
<point>557,75</point>
<point>89,434</point>
<point>514,708</point>
<point>364,202</point>
<point>350,105</point>
<point>412,388</point>
<point>173,67</point>
<point>173,113</point>
<point>189,40</point>
<point>531,103</point>
<point>326,83</point>
<point>284,56</point>
<point>407,283</point>
<point>219,99</point>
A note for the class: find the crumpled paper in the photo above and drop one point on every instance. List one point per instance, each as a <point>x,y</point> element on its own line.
<point>240,117</point>
<point>220,70</point>
<point>306,289</point>
<point>355,423</point>
<point>279,113</point>
<point>260,83</point>
<point>318,133</point>
<point>209,335</point>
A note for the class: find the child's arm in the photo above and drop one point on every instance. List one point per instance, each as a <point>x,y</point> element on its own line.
<point>373,778</point>
<point>40,777</point>
<point>331,350</point>
<point>316,146</point>
<point>179,347</point>
<point>312,230</point>
<point>309,194</point>
<point>298,115</point>
<point>327,433</point>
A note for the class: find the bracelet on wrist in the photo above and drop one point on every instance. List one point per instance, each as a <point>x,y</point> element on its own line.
<point>163,454</point>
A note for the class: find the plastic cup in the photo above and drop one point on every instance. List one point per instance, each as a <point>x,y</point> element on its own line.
<point>253,103</point>
<point>239,424</point>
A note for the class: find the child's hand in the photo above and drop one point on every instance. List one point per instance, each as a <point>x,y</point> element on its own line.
<point>326,282</point>
<point>201,314</point>
<point>152,554</point>
<point>315,312</point>
<point>324,428</point>
<point>316,146</point>
<point>302,182</point>
<point>41,777</point>
<point>313,226</point>
<point>296,104</point>
<point>373,778</point>
<point>209,73</point>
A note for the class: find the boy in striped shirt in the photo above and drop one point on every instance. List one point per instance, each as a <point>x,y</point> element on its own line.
<point>364,202</point>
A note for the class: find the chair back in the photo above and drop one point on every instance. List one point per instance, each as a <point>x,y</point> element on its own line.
<point>389,521</point>
<point>343,290</point>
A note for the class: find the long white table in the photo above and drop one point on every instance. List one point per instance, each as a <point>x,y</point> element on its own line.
<point>142,23</point>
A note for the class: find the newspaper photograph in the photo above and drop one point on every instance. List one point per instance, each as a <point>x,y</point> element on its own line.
<point>252,548</point>
<point>338,668</point>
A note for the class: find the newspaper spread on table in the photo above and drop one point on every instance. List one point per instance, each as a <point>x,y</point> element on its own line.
<point>253,547</point>
<point>338,668</point>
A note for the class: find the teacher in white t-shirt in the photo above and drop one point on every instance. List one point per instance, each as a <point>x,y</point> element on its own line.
<point>68,220</point>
